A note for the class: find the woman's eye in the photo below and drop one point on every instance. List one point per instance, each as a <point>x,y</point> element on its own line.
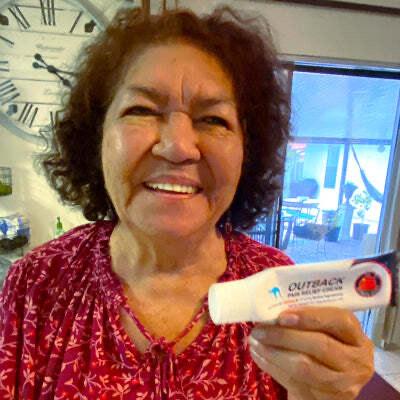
<point>140,110</point>
<point>213,120</point>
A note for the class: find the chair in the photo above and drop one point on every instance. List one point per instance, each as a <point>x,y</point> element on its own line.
<point>300,211</point>
<point>309,212</point>
<point>306,226</point>
<point>311,231</point>
<point>308,187</point>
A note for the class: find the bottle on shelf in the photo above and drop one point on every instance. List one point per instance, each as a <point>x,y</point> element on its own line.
<point>59,228</point>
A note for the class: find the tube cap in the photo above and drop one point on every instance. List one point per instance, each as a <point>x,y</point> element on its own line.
<point>230,302</point>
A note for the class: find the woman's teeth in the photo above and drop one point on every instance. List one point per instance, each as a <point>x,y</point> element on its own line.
<point>172,188</point>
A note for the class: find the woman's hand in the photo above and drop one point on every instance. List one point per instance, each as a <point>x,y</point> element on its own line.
<point>323,355</point>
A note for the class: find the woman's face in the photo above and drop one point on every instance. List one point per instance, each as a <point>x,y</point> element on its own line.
<point>173,117</point>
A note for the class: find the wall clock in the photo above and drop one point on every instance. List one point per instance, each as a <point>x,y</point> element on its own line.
<point>39,42</point>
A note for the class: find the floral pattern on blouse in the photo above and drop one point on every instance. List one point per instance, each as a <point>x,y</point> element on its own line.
<point>61,335</point>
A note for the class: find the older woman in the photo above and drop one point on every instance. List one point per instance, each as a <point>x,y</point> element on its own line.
<point>172,131</point>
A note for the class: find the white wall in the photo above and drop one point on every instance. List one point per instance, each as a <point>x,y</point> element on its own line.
<point>300,31</point>
<point>383,3</point>
<point>31,195</point>
<point>308,31</point>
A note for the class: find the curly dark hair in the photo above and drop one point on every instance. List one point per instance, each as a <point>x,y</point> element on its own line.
<point>244,47</point>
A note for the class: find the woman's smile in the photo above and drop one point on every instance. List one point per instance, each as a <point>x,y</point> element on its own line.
<point>167,191</point>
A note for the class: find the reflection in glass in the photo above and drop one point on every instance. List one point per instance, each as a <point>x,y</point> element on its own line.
<point>344,129</point>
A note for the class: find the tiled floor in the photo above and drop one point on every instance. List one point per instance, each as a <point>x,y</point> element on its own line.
<point>303,250</point>
<point>387,364</point>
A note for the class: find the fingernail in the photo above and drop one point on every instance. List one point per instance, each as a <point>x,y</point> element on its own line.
<point>254,342</point>
<point>288,319</point>
<point>255,354</point>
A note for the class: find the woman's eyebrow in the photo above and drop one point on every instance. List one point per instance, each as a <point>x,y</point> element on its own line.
<point>152,93</point>
<point>198,102</point>
<point>207,102</point>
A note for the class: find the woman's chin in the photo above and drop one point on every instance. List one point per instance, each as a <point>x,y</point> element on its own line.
<point>170,232</point>
<point>173,229</point>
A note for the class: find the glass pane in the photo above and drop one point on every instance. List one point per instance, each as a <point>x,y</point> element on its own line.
<point>344,129</point>
<point>335,106</point>
<point>263,231</point>
<point>367,169</point>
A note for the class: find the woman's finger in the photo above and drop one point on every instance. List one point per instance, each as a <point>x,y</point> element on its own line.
<point>339,323</point>
<point>303,369</point>
<point>297,390</point>
<point>320,346</point>
<point>303,378</point>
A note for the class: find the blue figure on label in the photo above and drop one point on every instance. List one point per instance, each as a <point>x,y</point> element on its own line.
<point>276,292</point>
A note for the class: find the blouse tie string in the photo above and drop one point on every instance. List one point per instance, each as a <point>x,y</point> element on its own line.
<point>161,346</point>
<point>163,351</point>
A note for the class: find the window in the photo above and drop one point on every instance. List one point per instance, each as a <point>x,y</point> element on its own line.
<point>344,129</point>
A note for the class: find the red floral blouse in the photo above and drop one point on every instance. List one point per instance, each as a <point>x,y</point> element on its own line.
<point>61,335</point>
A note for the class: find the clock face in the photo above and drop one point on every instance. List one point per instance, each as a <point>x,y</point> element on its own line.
<point>39,43</point>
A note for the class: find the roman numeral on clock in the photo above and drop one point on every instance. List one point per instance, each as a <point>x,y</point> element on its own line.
<point>28,114</point>
<point>48,12</point>
<point>22,21</point>
<point>90,26</point>
<point>53,120</point>
<point>4,67</point>
<point>76,21</point>
<point>8,92</point>
<point>9,42</point>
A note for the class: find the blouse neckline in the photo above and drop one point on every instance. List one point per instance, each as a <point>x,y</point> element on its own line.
<point>112,289</point>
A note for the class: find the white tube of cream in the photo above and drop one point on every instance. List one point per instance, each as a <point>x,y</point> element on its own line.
<point>355,284</point>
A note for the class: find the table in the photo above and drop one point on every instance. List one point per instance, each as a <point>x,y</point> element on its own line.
<point>292,210</point>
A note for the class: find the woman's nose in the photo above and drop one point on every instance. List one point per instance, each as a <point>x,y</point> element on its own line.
<point>178,140</point>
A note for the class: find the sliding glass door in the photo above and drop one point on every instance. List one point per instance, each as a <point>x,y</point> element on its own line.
<point>345,123</point>
<point>344,126</point>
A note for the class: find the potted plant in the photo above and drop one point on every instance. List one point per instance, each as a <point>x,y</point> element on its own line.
<point>362,203</point>
<point>333,219</point>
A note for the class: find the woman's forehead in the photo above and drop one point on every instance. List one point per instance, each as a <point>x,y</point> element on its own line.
<point>170,68</point>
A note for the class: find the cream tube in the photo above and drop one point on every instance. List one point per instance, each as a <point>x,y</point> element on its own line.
<point>355,284</point>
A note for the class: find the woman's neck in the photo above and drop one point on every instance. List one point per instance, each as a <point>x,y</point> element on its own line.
<point>137,258</point>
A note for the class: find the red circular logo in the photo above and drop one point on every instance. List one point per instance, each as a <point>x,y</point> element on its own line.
<point>368,284</point>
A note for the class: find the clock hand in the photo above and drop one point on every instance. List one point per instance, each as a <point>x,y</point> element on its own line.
<point>52,69</point>
<point>39,57</point>
<point>62,71</point>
